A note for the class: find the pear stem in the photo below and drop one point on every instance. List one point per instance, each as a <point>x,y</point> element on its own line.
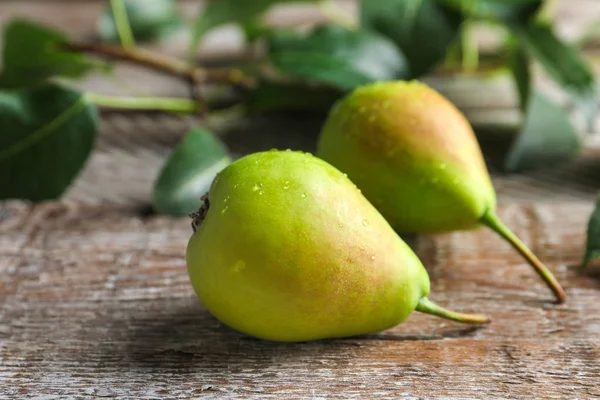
<point>491,220</point>
<point>428,307</point>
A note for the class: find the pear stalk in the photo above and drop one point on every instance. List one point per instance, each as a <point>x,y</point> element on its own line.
<point>491,220</point>
<point>428,307</point>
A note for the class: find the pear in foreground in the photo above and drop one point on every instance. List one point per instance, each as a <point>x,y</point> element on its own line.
<point>415,157</point>
<point>286,248</point>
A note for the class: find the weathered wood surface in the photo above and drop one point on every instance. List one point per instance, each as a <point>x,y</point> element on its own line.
<point>95,301</point>
<point>132,147</point>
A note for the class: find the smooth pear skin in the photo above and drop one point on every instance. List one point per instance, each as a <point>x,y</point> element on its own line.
<point>290,250</point>
<point>417,160</point>
<point>412,153</point>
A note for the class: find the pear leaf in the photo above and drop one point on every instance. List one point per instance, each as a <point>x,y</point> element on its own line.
<point>547,136</point>
<point>32,54</point>
<point>562,62</point>
<point>423,29</point>
<point>149,20</point>
<point>592,251</point>
<point>518,62</point>
<point>189,172</point>
<point>48,132</point>
<point>338,56</point>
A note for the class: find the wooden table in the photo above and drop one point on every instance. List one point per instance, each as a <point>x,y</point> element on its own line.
<point>95,300</point>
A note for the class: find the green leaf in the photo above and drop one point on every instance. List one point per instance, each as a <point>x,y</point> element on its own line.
<point>47,134</point>
<point>592,251</point>
<point>338,56</point>
<point>189,172</point>
<point>32,54</point>
<point>221,12</point>
<point>291,97</point>
<point>255,29</point>
<point>423,29</point>
<point>498,10</point>
<point>547,137</point>
<point>149,20</point>
<point>562,62</point>
<point>518,62</point>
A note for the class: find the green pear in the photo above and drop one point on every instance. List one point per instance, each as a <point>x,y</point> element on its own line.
<point>286,248</point>
<point>415,157</point>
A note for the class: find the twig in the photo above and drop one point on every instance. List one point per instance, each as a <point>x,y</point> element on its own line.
<point>145,103</point>
<point>121,19</point>
<point>166,64</point>
<point>470,50</point>
<point>137,56</point>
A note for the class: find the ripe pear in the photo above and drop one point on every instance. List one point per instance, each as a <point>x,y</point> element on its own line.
<point>417,160</point>
<point>286,248</point>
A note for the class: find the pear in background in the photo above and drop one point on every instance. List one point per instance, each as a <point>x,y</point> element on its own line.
<point>416,159</point>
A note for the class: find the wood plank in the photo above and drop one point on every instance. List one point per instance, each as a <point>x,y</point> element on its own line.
<point>132,148</point>
<point>95,301</point>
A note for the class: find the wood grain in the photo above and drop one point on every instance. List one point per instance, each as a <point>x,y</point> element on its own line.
<point>96,302</point>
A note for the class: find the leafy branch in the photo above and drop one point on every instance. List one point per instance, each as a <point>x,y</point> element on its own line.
<point>165,64</point>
